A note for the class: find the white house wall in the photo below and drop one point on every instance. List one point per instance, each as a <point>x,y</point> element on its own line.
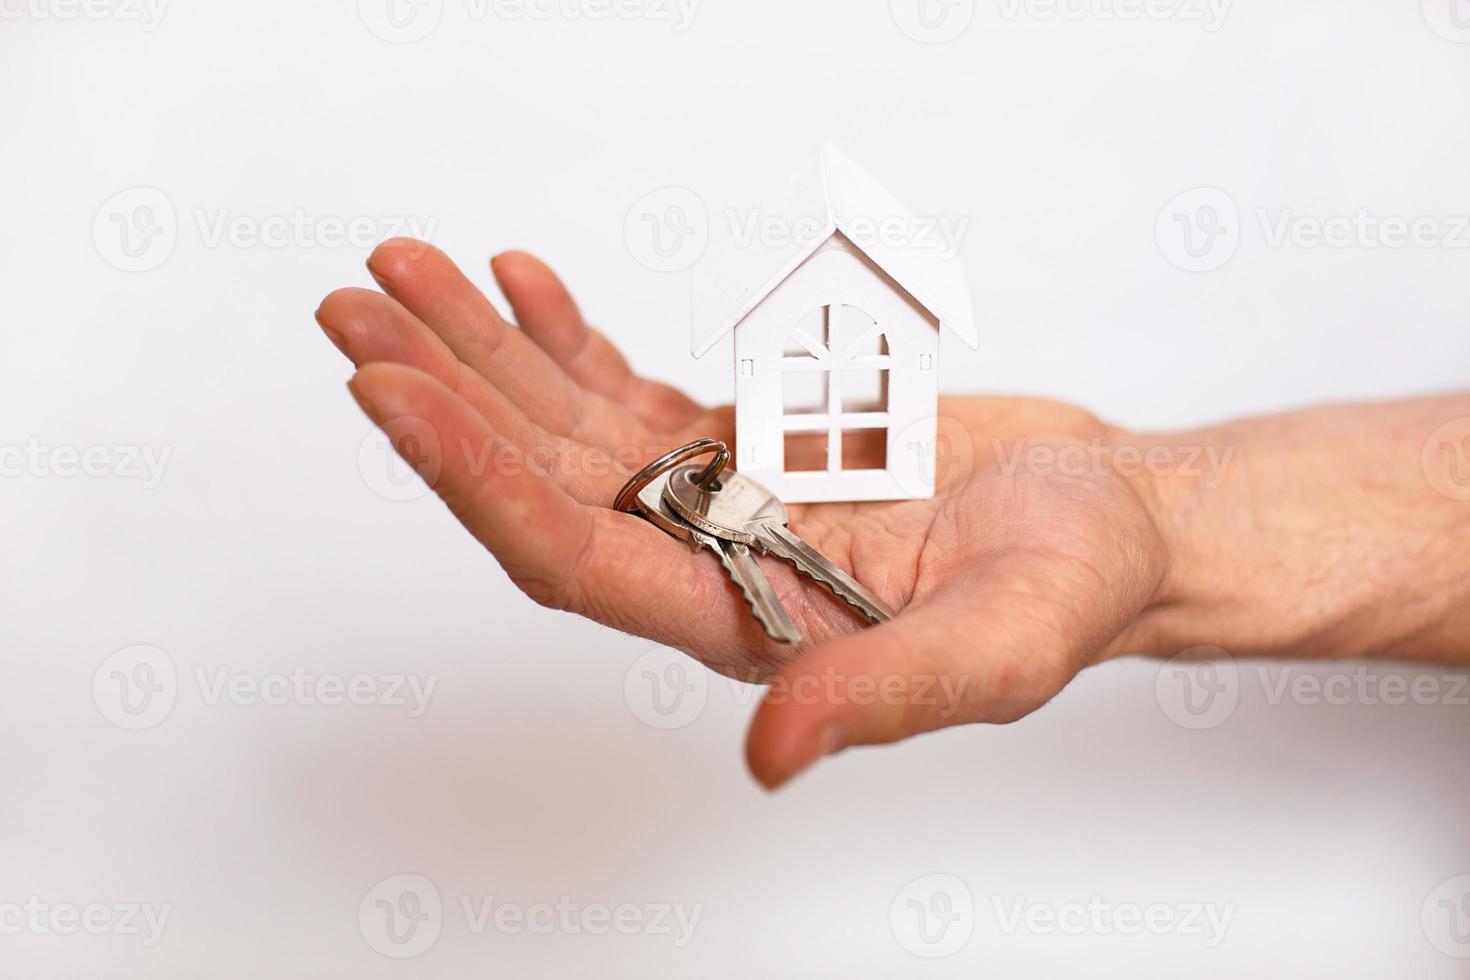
<point>839,275</point>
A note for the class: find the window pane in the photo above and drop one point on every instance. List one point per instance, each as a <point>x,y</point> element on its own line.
<point>864,449</point>
<point>814,326</point>
<point>804,392</point>
<point>874,346</point>
<point>864,390</point>
<point>854,327</point>
<point>806,452</point>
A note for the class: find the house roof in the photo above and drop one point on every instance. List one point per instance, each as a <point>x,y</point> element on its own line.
<point>752,252</point>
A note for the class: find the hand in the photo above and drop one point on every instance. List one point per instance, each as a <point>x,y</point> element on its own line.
<point>1041,553</point>
<point>1008,583</point>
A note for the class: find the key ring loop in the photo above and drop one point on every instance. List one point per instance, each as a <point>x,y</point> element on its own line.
<point>668,461</point>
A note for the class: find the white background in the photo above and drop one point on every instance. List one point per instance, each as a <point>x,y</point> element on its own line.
<point>264,548</point>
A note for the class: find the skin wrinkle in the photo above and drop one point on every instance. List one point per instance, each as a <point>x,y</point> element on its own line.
<point>712,590</point>
<point>571,360</point>
<point>927,562</point>
<point>574,573</point>
<point>531,436</point>
<point>879,539</point>
<point>919,556</point>
<point>716,591</point>
<point>592,341</point>
<point>574,432</point>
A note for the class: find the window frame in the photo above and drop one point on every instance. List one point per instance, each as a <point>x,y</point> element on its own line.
<point>833,358</point>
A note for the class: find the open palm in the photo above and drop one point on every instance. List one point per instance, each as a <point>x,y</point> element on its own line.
<point>1010,580</point>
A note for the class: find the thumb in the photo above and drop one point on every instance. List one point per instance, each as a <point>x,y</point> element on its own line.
<point>932,667</point>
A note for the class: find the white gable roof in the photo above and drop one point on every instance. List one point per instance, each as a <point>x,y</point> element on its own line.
<point>833,195</point>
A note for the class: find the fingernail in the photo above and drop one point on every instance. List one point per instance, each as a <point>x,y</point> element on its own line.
<point>829,739</point>
<point>832,738</point>
<point>495,261</point>
<point>364,401</point>
<point>333,334</point>
<point>378,277</point>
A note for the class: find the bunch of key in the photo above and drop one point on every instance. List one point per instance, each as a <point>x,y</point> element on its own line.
<point>734,517</point>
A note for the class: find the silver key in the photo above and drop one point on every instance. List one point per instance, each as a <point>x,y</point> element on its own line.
<point>743,511</point>
<point>734,556</point>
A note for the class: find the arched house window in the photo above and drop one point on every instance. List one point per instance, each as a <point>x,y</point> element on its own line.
<point>835,373</point>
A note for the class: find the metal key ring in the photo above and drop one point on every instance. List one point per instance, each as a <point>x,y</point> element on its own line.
<point>668,461</point>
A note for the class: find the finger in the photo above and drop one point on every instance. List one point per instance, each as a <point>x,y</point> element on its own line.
<point>547,313</point>
<point>425,281</point>
<point>528,522</point>
<point>940,664</point>
<point>369,327</point>
<point>611,567</point>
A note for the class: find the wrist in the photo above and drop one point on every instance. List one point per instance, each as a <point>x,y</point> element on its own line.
<point>1311,534</point>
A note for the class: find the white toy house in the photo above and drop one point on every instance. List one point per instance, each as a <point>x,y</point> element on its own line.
<point>836,296</point>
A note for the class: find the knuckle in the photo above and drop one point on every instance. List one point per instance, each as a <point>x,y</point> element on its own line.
<point>549,593</point>
<point>562,585</point>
